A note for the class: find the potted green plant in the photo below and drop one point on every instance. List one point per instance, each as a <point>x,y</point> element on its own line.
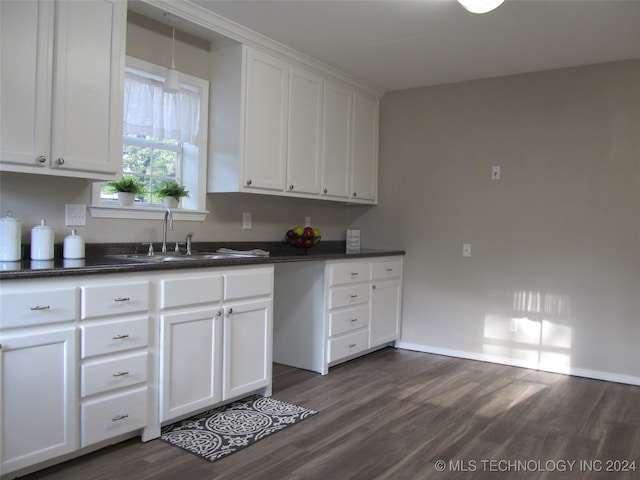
<point>127,188</point>
<point>171,192</point>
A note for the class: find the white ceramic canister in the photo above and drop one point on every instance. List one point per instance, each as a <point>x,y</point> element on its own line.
<point>42,242</point>
<point>73,246</point>
<point>10,233</point>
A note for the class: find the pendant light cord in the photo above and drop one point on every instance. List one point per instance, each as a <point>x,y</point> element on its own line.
<point>173,48</point>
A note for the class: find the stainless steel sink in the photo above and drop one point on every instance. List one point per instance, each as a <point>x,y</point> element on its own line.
<point>181,257</point>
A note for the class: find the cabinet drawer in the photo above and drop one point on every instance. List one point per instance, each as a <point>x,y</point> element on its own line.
<point>347,320</point>
<point>344,273</point>
<point>350,295</point>
<point>24,309</point>
<point>111,374</point>
<point>386,269</point>
<point>114,336</point>
<point>248,284</point>
<point>111,416</point>
<point>176,292</point>
<point>123,298</point>
<point>343,347</point>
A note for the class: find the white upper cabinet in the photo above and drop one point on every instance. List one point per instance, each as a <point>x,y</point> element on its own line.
<point>336,141</point>
<point>305,131</point>
<point>364,160</point>
<point>280,128</point>
<point>265,133</point>
<point>61,87</point>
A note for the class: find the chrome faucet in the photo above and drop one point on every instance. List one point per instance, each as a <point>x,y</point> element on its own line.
<point>188,242</point>
<point>168,220</point>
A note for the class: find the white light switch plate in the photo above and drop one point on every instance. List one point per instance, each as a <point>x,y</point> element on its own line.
<point>466,249</point>
<point>75,215</point>
<point>246,220</point>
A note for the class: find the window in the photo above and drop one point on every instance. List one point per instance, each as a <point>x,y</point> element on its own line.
<point>151,160</point>
<point>165,138</point>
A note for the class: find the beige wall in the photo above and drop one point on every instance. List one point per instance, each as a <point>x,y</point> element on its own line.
<point>32,197</point>
<point>555,242</point>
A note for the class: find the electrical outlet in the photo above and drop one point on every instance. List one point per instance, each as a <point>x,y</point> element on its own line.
<point>466,249</point>
<point>495,172</point>
<point>75,215</point>
<point>307,221</point>
<point>513,325</point>
<point>246,220</point>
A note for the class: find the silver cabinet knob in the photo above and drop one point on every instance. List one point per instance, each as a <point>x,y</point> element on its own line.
<point>42,159</point>
<point>60,161</point>
<point>290,187</point>
<point>324,191</point>
<point>249,182</point>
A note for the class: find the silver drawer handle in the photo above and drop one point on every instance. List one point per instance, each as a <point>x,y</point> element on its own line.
<point>353,320</point>
<point>354,274</point>
<point>40,307</point>
<point>352,345</point>
<point>121,299</point>
<point>120,417</point>
<point>353,295</point>
<point>120,337</point>
<point>389,269</point>
<point>120,374</point>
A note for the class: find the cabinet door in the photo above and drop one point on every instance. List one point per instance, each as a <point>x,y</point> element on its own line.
<point>247,348</point>
<point>265,132</point>
<point>385,312</point>
<point>189,364</point>
<point>364,160</point>
<point>88,87</point>
<point>305,132</point>
<point>25,83</point>
<point>35,428</point>
<point>336,141</point>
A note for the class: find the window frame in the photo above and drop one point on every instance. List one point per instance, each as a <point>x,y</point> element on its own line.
<point>194,163</point>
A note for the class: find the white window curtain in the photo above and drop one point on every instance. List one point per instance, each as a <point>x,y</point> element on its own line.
<point>149,110</point>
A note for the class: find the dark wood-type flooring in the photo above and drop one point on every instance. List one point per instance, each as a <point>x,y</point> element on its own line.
<point>394,413</point>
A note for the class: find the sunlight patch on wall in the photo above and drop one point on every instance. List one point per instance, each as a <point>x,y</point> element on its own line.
<point>531,328</point>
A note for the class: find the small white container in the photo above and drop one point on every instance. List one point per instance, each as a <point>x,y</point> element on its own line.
<point>10,233</point>
<point>73,247</point>
<point>42,242</point>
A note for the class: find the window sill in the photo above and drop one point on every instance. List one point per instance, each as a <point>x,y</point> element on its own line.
<point>145,213</point>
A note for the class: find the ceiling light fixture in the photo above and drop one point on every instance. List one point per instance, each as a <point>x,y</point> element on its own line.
<point>172,76</point>
<point>480,6</point>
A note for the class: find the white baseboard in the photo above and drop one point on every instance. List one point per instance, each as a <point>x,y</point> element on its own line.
<point>578,372</point>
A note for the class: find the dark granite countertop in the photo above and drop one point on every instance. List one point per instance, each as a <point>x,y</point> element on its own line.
<point>103,258</point>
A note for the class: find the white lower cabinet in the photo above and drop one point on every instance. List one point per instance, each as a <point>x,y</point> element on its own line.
<point>327,313</point>
<point>39,399</point>
<point>117,355</point>
<point>220,350</point>
<point>111,415</point>
<point>190,362</point>
<point>386,301</point>
<point>38,383</point>
<point>114,352</point>
<point>247,348</point>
